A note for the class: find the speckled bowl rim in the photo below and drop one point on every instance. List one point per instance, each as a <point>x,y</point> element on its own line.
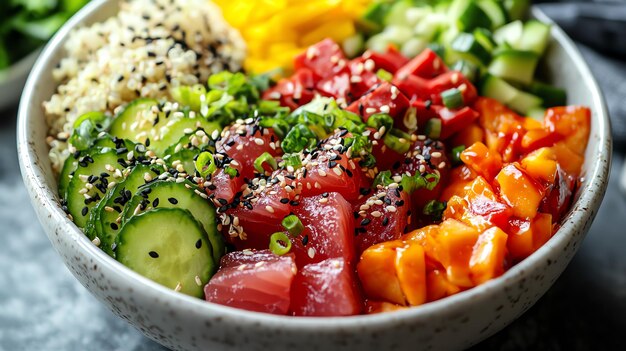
<point>591,193</point>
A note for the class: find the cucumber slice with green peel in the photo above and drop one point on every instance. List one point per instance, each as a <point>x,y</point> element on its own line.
<point>507,94</point>
<point>510,33</point>
<point>535,37</point>
<point>495,11</point>
<point>170,247</point>
<point>551,95</point>
<point>465,46</point>
<point>137,120</point>
<point>485,38</point>
<point>524,102</point>
<point>198,140</point>
<point>496,88</point>
<point>514,65</point>
<point>353,45</point>
<point>67,172</point>
<point>89,184</point>
<point>413,47</point>
<point>177,129</point>
<point>468,15</point>
<point>185,157</point>
<point>516,9</point>
<point>374,17</point>
<point>164,194</point>
<point>105,219</point>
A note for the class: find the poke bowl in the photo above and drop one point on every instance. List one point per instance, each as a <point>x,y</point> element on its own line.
<point>165,311</point>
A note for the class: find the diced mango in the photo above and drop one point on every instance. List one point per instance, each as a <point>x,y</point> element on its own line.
<point>572,122</point>
<point>469,135</point>
<point>377,273</point>
<point>456,241</point>
<point>519,190</point>
<point>487,261</point>
<point>542,230</point>
<point>438,285</point>
<point>481,160</point>
<point>541,164</point>
<point>460,178</point>
<point>526,236</point>
<point>411,271</point>
<point>570,161</point>
<point>381,306</point>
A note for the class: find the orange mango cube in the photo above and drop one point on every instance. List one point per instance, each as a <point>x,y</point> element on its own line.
<point>377,273</point>
<point>518,189</point>
<point>481,160</point>
<point>411,271</point>
<point>541,164</point>
<point>487,261</point>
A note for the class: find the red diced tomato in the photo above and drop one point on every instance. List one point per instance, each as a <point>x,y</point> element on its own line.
<point>327,288</point>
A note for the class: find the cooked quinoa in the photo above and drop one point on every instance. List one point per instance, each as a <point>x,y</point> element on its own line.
<point>148,48</point>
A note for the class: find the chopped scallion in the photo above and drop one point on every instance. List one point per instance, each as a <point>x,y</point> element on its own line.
<point>384,75</point>
<point>435,209</point>
<point>293,225</point>
<point>205,164</point>
<point>265,158</point>
<point>452,98</point>
<point>456,155</point>
<point>433,128</point>
<point>280,243</point>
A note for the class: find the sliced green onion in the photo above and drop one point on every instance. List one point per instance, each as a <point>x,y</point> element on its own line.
<point>280,243</point>
<point>456,155</point>
<point>265,158</point>
<point>293,225</point>
<point>383,178</point>
<point>380,120</point>
<point>439,49</point>
<point>384,75</point>
<point>205,164</point>
<point>398,144</point>
<point>435,209</point>
<point>292,160</point>
<point>433,128</point>
<point>417,181</point>
<point>452,98</point>
<point>232,172</point>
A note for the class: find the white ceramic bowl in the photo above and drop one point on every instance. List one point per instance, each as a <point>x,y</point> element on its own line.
<point>185,323</point>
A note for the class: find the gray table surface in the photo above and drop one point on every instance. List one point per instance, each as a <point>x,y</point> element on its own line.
<point>42,307</point>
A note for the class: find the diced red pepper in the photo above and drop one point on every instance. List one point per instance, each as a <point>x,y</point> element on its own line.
<point>426,65</point>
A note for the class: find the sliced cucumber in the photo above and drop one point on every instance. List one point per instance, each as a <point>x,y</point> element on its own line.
<point>524,102</point>
<point>516,8</point>
<point>551,95</point>
<point>163,194</point>
<point>510,33</point>
<point>374,17</point>
<point>537,113</point>
<point>413,47</point>
<point>468,15</point>
<point>465,46</point>
<point>90,183</point>
<point>170,247</point>
<point>353,45</point>
<point>185,157</point>
<point>514,65</point>
<point>137,120</point>
<point>397,14</point>
<point>497,88</point>
<point>507,94</point>
<point>175,130</point>
<point>69,166</point>
<point>485,38</point>
<point>495,11</point>
<point>105,219</point>
<point>535,37</point>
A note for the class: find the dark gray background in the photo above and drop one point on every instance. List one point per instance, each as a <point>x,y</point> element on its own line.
<point>42,307</point>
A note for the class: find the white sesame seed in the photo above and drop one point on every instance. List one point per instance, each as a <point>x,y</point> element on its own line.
<point>370,110</point>
<point>385,109</point>
<point>323,200</point>
<point>441,165</point>
<point>311,252</point>
<point>376,214</point>
<point>269,209</point>
<point>198,281</point>
<point>96,241</point>
<point>391,208</point>
<point>178,287</point>
<point>337,171</point>
<point>259,141</point>
<point>109,168</point>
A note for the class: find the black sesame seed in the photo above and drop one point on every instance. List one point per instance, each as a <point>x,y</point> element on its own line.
<point>173,201</point>
<point>365,221</point>
<point>153,254</point>
<point>356,215</point>
<point>385,221</point>
<point>220,200</point>
<point>332,164</point>
<point>324,194</point>
<point>199,243</point>
<point>284,200</point>
<point>349,173</point>
<point>84,211</point>
<point>155,203</point>
<point>400,203</point>
<point>305,240</point>
<point>294,203</point>
<point>114,226</point>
